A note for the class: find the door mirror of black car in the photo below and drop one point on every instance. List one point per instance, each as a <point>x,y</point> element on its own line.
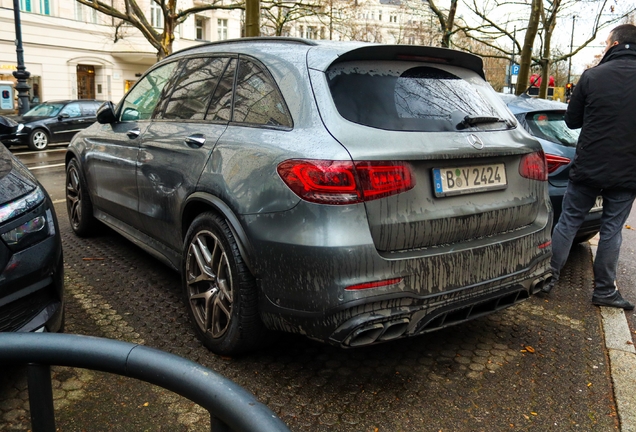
<point>106,113</point>
<point>63,116</point>
<point>130,114</point>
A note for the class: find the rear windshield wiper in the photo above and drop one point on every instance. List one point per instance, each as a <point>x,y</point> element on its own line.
<point>469,121</point>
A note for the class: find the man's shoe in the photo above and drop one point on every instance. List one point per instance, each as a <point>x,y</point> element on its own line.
<point>615,300</point>
<point>547,287</point>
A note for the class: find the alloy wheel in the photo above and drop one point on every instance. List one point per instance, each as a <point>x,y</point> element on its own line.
<point>209,284</point>
<point>74,196</point>
<point>40,140</point>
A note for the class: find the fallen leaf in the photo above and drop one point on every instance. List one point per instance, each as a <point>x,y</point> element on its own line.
<point>92,259</point>
<point>629,227</point>
<point>629,343</point>
<point>146,404</point>
<point>526,417</point>
<point>534,413</point>
<point>530,349</point>
<point>589,384</point>
<point>524,351</point>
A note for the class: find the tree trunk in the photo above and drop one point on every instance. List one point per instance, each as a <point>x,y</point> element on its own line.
<point>528,42</point>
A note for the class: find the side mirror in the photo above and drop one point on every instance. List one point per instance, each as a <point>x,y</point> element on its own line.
<point>106,113</point>
<point>63,116</point>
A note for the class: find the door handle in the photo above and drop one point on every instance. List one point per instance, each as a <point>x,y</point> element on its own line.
<point>196,140</point>
<point>133,133</point>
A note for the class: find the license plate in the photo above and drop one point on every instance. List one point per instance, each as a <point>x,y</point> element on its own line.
<point>598,204</point>
<point>469,179</point>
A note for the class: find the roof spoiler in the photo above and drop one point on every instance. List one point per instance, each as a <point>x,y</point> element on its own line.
<point>415,53</point>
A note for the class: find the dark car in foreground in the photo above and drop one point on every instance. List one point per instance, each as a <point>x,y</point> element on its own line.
<point>31,266</point>
<point>51,122</point>
<point>354,193</point>
<point>545,120</point>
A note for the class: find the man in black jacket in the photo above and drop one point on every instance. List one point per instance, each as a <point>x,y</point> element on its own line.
<point>603,105</point>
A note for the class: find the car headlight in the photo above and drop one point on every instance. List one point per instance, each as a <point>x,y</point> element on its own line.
<point>30,229</point>
<point>20,127</point>
<point>22,205</point>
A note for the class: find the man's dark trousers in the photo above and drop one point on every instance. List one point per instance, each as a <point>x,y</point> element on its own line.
<point>577,202</point>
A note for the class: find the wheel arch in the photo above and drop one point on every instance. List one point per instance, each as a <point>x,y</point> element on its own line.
<point>200,202</point>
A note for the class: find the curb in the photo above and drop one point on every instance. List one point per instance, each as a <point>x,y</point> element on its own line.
<point>622,357</point>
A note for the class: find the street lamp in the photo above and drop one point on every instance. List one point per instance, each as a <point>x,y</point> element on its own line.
<point>21,74</point>
<point>571,48</point>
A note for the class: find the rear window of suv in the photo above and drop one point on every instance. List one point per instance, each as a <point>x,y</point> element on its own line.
<point>407,97</point>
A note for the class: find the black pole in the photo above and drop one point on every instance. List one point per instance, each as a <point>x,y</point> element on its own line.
<point>21,74</point>
<point>41,398</point>
<point>571,49</point>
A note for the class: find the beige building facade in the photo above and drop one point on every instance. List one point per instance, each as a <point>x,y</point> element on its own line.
<point>74,52</point>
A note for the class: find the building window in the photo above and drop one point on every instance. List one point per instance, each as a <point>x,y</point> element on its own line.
<point>45,7</point>
<point>85,14</point>
<point>222,28</point>
<point>393,18</point>
<point>379,15</point>
<point>156,15</point>
<point>25,6</point>
<point>200,26</point>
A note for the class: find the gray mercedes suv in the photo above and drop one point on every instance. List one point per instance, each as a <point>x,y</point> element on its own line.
<point>354,193</point>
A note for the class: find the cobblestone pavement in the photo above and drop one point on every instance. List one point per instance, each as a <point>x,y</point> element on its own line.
<point>539,366</point>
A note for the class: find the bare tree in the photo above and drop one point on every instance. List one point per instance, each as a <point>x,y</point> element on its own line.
<point>539,23</point>
<point>161,39</point>
<point>277,15</point>
<point>446,20</point>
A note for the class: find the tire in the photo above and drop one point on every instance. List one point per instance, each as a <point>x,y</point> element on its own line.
<point>78,202</point>
<point>219,291</point>
<point>38,140</point>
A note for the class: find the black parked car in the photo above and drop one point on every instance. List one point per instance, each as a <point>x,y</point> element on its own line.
<point>31,267</point>
<point>544,119</point>
<point>51,122</point>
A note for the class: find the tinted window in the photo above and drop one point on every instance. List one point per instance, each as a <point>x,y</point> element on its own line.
<point>45,110</point>
<point>193,90</point>
<point>551,126</point>
<point>221,104</point>
<point>140,103</point>
<point>257,99</point>
<point>72,109</point>
<point>89,109</point>
<point>418,98</point>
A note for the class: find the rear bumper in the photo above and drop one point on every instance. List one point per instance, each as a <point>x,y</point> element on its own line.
<point>305,269</point>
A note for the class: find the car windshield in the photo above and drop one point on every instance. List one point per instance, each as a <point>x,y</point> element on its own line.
<point>45,110</point>
<point>550,125</point>
<point>407,98</point>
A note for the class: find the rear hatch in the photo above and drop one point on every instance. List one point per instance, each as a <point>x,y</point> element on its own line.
<point>446,124</point>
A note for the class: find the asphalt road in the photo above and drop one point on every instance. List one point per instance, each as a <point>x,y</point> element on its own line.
<point>538,366</point>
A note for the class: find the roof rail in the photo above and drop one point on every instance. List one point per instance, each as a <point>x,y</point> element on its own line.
<point>230,406</point>
<point>263,39</point>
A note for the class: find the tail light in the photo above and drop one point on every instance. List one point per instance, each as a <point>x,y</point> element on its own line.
<point>555,162</point>
<point>343,182</point>
<point>534,167</point>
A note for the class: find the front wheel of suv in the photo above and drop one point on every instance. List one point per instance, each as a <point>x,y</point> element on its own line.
<point>220,293</point>
<point>78,203</point>
<point>38,140</point>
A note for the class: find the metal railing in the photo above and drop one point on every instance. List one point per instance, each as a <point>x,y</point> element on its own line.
<point>231,407</point>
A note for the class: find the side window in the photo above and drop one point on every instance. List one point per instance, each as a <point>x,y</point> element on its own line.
<point>221,103</point>
<point>89,109</point>
<point>72,109</point>
<point>193,90</point>
<point>257,99</point>
<point>140,103</point>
